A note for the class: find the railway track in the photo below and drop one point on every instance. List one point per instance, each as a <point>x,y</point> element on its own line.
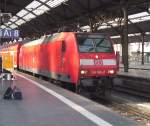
<point>131,111</point>
<point>126,109</point>
<point>137,88</point>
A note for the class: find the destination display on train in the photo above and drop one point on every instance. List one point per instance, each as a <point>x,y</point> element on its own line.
<point>7,33</point>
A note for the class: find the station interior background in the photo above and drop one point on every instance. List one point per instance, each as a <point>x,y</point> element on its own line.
<point>135,55</point>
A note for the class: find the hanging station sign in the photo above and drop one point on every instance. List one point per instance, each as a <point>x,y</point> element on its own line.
<point>6,33</point>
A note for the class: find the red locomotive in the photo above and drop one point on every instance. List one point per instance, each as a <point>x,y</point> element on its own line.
<point>78,59</point>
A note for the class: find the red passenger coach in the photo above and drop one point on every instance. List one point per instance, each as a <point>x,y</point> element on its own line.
<point>82,59</point>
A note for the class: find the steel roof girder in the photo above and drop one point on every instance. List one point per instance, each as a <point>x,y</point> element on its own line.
<point>81,5</point>
<point>13,23</point>
<point>30,12</point>
<point>70,9</point>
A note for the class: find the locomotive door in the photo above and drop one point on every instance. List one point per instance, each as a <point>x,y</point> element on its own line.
<point>64,62</point>
<point>63,50</point>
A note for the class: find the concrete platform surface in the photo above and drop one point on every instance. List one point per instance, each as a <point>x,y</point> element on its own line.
<point>45,104</point>
<point>138,73</point>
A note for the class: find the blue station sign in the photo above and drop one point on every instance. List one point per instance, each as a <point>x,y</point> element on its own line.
<point>6,33</point>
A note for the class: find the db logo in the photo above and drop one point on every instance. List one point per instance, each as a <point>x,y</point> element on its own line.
<point>98,62</point>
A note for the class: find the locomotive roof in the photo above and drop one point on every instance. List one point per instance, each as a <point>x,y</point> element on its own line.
<point>60,36</point>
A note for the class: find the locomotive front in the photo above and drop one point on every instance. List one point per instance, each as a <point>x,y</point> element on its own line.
<point>97,61</point>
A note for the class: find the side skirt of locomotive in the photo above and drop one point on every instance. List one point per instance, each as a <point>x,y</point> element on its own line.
<point>98,86</point>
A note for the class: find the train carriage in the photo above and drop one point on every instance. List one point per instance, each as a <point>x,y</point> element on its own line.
<point>10,55</point>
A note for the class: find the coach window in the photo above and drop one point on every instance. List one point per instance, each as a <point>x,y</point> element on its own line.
<point>63,46</point>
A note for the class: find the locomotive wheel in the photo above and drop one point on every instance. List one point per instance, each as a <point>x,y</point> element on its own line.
<point>107,87</point>
<point>78,89</point>
<point>51,80</point>
<point>107,93</point>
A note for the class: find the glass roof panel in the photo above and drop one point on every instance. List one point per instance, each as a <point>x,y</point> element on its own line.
<point>54,3</point>
<point>33,5</point>
<point>135,18</point>
<point>110,22</point>
<point>113,37</point>
<point>146,18</point>
<point>19,22</point>
<point>141,19</point>
<point>22,13</point>
<point>114,24</point>
<point>43,0</point>
<point>29,17</point>
<point>147,33</point>
<point>9,23</point>
<point>3,26</point>
<point>43,8</point>
<point>14,18</point>
<point>13,26</point>
<point>138,15</point>
<point>38,12</point>
<point>104,27</point>
<point>130,35</point>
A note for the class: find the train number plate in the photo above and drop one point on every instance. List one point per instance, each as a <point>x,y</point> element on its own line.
<point>98,62</point>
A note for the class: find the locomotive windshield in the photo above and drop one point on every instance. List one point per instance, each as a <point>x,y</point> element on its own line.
<point>93,43</point>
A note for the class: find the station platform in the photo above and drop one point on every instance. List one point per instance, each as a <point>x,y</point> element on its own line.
<point>45,104</point>
<point>136,71</point>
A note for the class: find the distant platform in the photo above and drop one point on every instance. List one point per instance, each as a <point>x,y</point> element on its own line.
<point>137,66</point>
<point>136,71</point>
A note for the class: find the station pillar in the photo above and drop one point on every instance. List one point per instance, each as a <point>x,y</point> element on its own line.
<point>125,37</point>
<point>142,48</point>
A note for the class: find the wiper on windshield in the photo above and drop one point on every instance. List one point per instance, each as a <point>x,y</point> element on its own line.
<point>100,42</point>
<point>91,49</point>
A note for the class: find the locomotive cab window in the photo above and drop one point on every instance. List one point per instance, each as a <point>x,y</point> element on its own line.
<point>93,43</point>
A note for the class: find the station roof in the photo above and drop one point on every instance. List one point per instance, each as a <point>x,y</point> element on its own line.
<point>39,17</point>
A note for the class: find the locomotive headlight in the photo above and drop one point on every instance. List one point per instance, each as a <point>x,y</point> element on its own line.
<point>83,71</point>
<point>96,56</point>
<point>111,71</point>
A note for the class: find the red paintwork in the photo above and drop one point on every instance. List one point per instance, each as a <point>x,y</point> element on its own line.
<point>100,67</point>
<point>49,57</point>
<point>46,56</point>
